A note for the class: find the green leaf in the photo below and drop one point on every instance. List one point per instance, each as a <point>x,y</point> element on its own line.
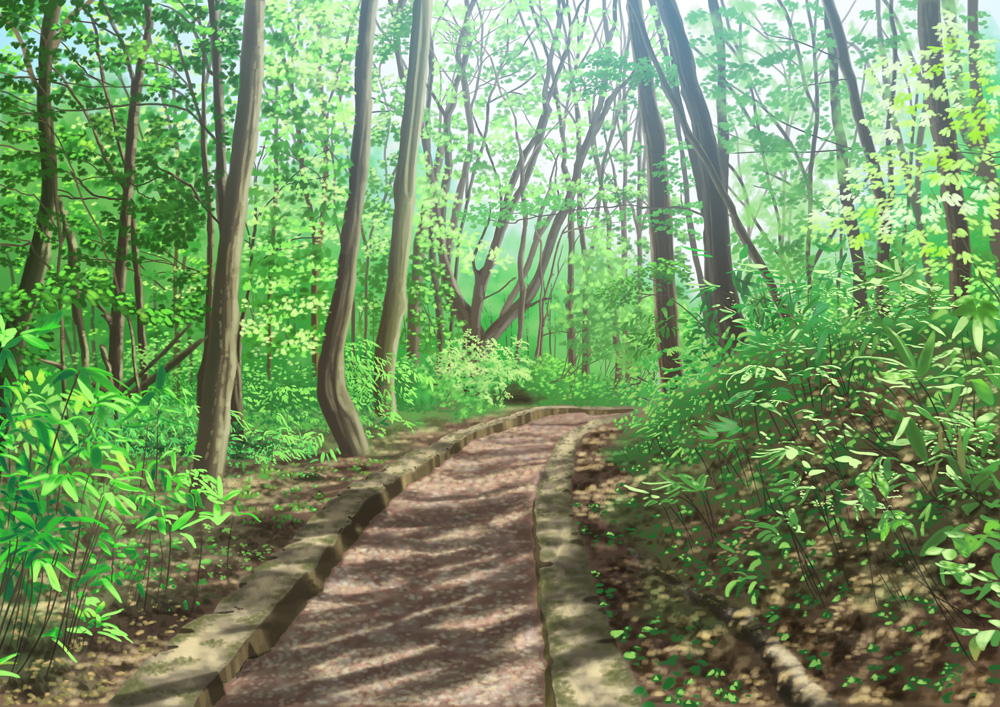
<point>70,488</point>
<point>983,390</point>
<point>979,642</point>
<point>926,356</point>
<point>901,348</point>
<point>34,341</point>
<point>915,436</point>
<point>161,375</point>
<point>901,430</point>
<point>95,457</point>
<point>977,333</point>
<point>960,326</point>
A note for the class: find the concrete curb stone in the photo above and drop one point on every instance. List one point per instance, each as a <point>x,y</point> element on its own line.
<point>585,668</point>
<point>210,650</point>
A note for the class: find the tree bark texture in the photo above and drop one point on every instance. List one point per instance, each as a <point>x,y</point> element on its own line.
<point>126,222</point>
<point>959,250</point>
<point>719,262</point>
<point>404,197</point>
<point>849,214</point>
<point>40,251</point>
<point>883,241</point>
<point>331,381</point>
<point>661,242</point>
<point>214,422</point>
<point>986,169</point>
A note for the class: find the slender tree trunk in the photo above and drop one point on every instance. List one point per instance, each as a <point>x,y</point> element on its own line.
<point>719,264</point>
<point>220,360</point>
<point>331,381</point>
<point>141,339</point>
<point>438,307</point>
<point>126,222</point>
<point>852,231</point>
<point>46,220</point>
<point>985,170</point>
<point>570,284</point>
<point>661,242</point>
<point>585,364</point>
<point>404,196</point>
<point>959,250</point>
<point>413,306</point>
<point>73,251</point>
<point>521,289</point>
<point>218,115</point>
<point>883,237</point>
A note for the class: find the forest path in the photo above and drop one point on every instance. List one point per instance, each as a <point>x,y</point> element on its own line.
<point>435,604</point>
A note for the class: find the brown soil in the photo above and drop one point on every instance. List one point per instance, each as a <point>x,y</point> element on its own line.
<point>283,500</point>
<point>687,656</point>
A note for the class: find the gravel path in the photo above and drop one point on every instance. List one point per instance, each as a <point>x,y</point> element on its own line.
<point>436,603</point>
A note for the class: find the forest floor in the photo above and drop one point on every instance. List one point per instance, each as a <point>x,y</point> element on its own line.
<point>683,657</point>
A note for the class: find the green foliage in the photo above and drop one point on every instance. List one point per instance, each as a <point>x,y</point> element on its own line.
<point>471,376</point>
<point>891,400</point>
<point>66,472</point>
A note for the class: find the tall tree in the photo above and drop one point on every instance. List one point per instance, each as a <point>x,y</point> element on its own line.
<point>707,171</point>
<point>843,58</point>
<point>331,382</point>
<point>218,116</point>
<point>404,196</point>
<point>661,240</point>
<point>986,170</point>
<point>946,144</point>
<point>46,221</point>
<point>214,422</point>
<point>852,229</point>
<point>126,214</point>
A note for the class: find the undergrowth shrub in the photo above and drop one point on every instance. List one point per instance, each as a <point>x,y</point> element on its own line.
<point>558,383</point>
<point>815,423</point>
<point>67,474</point>
<point>470,376</point>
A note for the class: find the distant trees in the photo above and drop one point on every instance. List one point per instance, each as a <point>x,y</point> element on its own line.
<point>115,180</point>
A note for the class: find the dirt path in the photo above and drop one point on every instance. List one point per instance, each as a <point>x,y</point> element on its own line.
<point>436,603</point>
<point>283,501</point>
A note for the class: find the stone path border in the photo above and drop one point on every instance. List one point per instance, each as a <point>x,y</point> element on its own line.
<point>210,650</point>
<point>584,666</point>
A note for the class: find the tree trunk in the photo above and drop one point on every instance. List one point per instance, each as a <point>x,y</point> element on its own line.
<point>413,307</point>
<point>570,283</point>
<point>852,231</point>
<point>73,252</point>
<point>331,381</point>
<point>220,181</point>
<point>521,289</point>
<point>719,264</point>
<point>661,242</point>
<point>959,251</point>
<point>883,245</point>
<point>142,340</point>
<point>220,360</point>
<point>404,197</point>
<point>46,220</point>
<point>985,170</point>
<point>126,222</point>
